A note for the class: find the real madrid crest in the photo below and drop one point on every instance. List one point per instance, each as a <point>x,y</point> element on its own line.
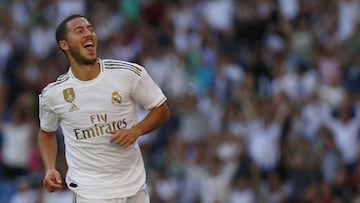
<point>116,98</point>
<point>69,96</point>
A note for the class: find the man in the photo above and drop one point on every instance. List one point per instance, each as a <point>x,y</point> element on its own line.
<point>95,104</point>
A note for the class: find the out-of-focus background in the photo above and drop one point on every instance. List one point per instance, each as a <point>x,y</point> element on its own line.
<point>264,95</point>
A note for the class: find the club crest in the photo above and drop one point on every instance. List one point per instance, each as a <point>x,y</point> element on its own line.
<point>116,98</point>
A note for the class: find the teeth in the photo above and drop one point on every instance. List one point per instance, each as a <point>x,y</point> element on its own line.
<point>89,44</point>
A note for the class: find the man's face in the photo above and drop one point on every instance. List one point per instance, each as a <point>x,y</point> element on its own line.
<point>81,41</point>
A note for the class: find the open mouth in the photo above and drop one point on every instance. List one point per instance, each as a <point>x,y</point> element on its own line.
<point>89,45</point>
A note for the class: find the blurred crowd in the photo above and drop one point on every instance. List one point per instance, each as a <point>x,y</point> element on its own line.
<point>264,95</point>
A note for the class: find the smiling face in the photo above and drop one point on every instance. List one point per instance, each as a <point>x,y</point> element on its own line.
<point>80,44</point>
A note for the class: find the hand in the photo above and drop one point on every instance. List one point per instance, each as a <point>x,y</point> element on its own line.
<point>52,180</point>
<point>123,137</point>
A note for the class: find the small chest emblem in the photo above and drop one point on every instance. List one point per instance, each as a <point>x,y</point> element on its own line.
<point>69,96</point>
<point>116,98</point>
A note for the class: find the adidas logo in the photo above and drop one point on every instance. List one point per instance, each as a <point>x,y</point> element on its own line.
<point>73,108</point>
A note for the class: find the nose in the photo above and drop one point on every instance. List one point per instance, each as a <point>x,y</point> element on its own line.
<point>88,32</point>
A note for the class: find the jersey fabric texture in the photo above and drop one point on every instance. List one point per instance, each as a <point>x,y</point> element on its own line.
<point>87,111</point>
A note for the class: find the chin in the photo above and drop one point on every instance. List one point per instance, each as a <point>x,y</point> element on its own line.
<point>84,59</point>
<point>90,61</point>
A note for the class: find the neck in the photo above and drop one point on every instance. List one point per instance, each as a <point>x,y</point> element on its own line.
<point>85,72</point>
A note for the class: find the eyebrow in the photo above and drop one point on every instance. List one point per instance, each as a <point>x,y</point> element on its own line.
<point>81,26</point>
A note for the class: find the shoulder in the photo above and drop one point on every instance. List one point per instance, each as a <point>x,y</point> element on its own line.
<point>54,85</point>
<point>134,68</point>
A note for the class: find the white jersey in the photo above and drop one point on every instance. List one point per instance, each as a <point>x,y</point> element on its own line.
<point>86,111</point>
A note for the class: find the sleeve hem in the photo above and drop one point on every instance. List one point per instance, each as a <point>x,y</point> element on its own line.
<point>47,130</point>
<point>158,104</point>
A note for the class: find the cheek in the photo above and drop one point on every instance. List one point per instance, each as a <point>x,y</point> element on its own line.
<point>73,46</point>
<point>73,41</point>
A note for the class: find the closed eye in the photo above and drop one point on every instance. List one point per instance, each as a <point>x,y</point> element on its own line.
<point>79,30</point>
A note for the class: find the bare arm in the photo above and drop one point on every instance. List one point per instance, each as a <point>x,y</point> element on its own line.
<point>152,120</point>
<point>48,149</point>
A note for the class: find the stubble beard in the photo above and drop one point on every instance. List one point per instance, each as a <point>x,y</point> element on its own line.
<point>75,53</point>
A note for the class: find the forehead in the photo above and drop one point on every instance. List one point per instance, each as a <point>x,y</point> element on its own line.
<point>77,22</point>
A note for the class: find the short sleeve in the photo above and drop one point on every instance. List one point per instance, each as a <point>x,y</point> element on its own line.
<point>148,93</point>
<point>49,121</point>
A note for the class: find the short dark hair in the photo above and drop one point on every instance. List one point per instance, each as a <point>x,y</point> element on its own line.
<point>60,33</point>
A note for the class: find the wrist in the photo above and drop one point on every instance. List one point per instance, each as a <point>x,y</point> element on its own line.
<point>136,131</point>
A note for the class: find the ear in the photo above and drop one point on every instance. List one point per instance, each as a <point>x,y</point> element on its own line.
<point>63,45</point>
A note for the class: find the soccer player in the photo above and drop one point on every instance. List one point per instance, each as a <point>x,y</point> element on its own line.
<point>95,105</point>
